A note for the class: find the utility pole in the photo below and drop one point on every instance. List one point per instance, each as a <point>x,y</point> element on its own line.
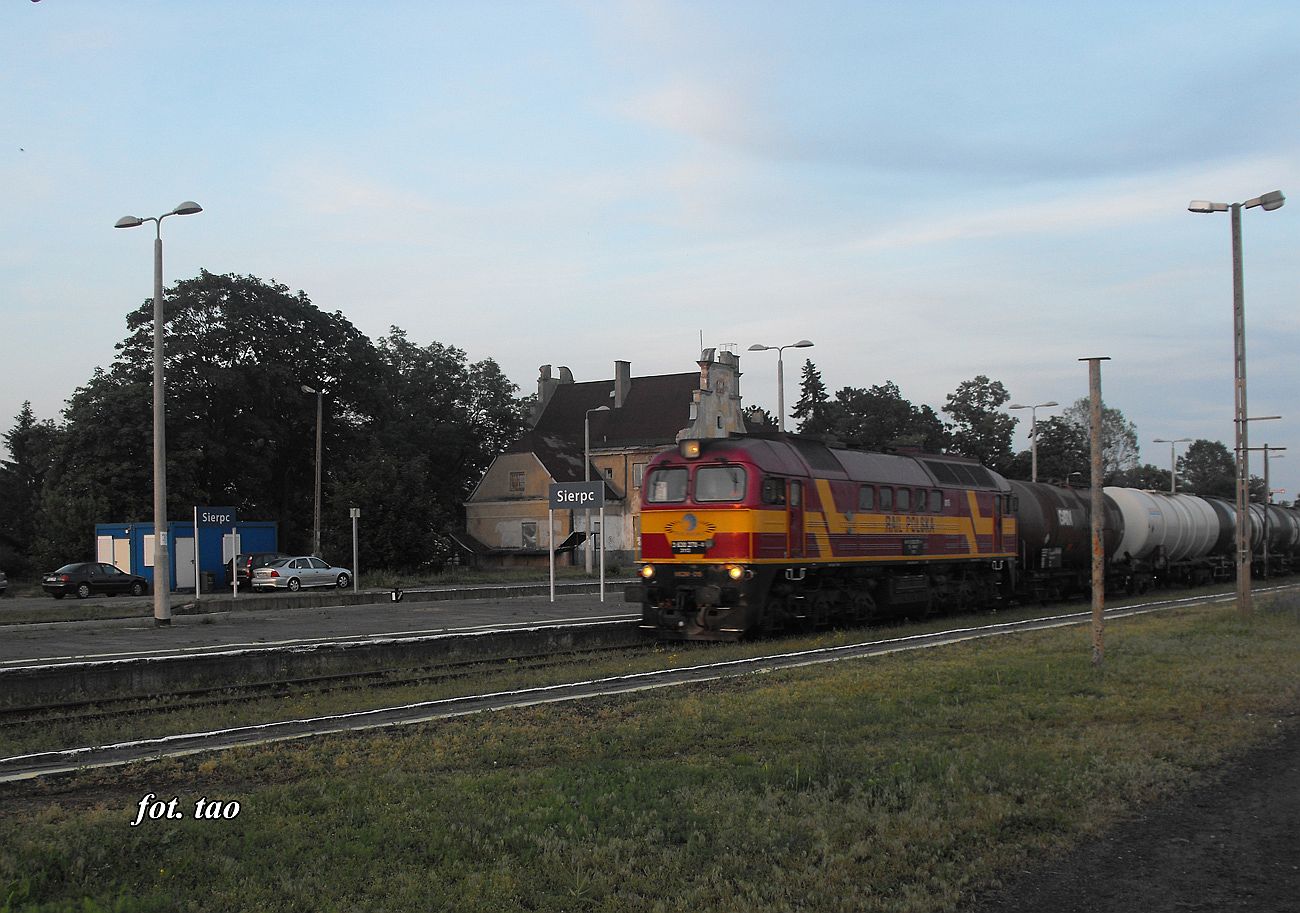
<point>1098,515</point>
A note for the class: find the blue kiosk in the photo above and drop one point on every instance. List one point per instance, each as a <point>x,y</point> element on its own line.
<point>130,546</point>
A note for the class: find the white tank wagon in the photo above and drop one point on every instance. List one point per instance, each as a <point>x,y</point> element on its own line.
<point>1173,538</point>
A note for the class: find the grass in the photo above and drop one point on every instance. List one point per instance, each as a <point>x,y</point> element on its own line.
<point>900,783</point>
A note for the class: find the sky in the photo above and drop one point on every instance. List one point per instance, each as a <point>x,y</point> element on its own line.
<point>928,191</point>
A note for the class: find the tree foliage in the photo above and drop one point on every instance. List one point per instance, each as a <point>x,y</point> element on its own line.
<point>810,408</point>
<point>981,430</point>
<point>879,418</point>
<point>1119,443</point>
<point>406,429</point>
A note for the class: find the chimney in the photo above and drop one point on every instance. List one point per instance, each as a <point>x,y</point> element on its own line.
<point>546,384</point>
<point>622,382</point>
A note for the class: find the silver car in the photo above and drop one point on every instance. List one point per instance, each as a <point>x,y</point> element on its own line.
<point>293,574</point>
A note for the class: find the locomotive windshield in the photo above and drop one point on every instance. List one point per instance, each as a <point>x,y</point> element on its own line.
<point>720,483</point>
<point>666,486</point>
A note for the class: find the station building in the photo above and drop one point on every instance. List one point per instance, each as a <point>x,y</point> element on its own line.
<point>629,420</point>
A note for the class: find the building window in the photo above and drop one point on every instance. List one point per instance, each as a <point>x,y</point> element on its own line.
<point>528,529</point>
<point>517,482</point>
<point>609,472</point>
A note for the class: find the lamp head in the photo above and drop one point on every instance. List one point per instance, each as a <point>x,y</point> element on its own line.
<point>188,208</point>
<point>759,347</point>
<point>1270,201</point>
<point>128,222</point>
<point>1206,206</point>
<point>802,344</point>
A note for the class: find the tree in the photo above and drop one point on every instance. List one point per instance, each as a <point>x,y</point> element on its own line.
<point>1119,445</point>
<point>407,429</point>
<point>1063,456</point>
<point>1207,469</point>
<point>441,422</point>
<point>981,430</point>
<point>758,419</point>
<point>813,399</point>
<point>31,446</point>
<point>878,418</point>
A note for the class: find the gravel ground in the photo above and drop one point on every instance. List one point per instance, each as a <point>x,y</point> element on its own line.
<point>1232,844</point>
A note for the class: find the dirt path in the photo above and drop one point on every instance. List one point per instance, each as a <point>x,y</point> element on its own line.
<point>1229,845</point>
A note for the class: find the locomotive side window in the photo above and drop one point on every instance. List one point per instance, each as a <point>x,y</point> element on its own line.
<point>666,486</point>
<point>773,490</point>
<point>886,499</point>
<point>903,499</point>
<point>866,498</point>
<point>720,483</point>
<point>936,502</point>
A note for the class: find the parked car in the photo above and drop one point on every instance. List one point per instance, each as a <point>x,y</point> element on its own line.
<point>87,577</point>
<point>295,573</point>
<point>246,564</point>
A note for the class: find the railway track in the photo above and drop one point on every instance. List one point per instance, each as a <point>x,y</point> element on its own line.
<point>100,709</point>
<point>52,762</point>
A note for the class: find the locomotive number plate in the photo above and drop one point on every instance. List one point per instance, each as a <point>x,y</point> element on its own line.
<point>692,546</point>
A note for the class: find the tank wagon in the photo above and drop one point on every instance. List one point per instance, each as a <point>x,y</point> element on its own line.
<point>760,533</point>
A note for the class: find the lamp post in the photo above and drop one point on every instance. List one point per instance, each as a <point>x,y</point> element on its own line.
<point>1033,434</point>
<point>1268,202</point>
<point>1173,463</point>
<point>162,610</point>
<point>586,477</point>
<point>315,527</point>
<point>780,374</point>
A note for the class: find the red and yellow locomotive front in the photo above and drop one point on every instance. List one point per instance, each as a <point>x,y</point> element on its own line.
<point>701,515</point>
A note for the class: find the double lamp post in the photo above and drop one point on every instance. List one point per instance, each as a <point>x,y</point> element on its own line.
<point>162,612</point>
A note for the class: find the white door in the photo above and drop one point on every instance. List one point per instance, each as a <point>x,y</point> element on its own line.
<point>184,563</point>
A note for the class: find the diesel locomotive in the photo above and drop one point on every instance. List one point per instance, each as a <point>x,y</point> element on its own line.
<point>759,533</point>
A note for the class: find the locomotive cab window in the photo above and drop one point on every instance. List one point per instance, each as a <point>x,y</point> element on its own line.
<point>886,499</point>
<point>936,502</point>
<point>667,486</point>
<point>866,498</point>
<point>773,490</point>
<point>903,499</point>
<point>720,483</point>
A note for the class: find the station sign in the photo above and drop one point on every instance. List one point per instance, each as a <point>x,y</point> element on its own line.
<point>577,495</point>
<point>215,516</point>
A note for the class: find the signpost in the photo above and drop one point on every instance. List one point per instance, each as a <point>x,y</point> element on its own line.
<point>354,513</point>
<point>209,517</point>
<point>572,496</point>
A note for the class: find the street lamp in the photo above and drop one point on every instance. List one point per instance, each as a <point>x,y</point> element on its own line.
<point>586,477</point>
<point>1268,202</point>
<point>780,374</point>
<point>162,610</point>
<point>315,528</point>
<point>1173,464</point>
<point>1033,434</point>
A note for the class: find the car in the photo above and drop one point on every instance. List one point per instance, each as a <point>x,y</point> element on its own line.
<point>295,573</point>
<point>86,577</point>
<point>246,564</point>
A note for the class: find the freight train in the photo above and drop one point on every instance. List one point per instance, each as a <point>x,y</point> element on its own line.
<point>761,533</point>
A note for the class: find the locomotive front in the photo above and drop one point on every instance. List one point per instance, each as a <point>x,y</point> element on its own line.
<point>700,513</point>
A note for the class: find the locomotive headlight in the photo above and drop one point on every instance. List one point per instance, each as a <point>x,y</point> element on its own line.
<point>647,571</point>
<point>735,571</point>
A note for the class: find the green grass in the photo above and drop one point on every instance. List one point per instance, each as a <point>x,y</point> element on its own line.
<point>905,782</point>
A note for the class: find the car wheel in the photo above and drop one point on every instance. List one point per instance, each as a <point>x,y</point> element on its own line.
<point>137,589</point>
<point>83,590</point>
<point>294,584</point>
<point>344,580</point>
